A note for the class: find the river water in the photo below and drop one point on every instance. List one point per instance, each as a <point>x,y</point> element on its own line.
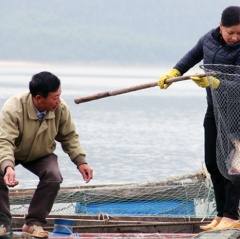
<point>140,136</point>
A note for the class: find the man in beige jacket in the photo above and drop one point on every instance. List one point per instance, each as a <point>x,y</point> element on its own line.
<point>30,125</point>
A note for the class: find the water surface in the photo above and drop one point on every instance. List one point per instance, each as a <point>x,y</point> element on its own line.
<point>140,136</point>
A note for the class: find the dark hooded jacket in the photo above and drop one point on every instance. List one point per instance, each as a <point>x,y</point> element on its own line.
<point>211,49</point>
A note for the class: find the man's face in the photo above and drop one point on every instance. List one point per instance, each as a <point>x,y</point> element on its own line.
<point>51,102</point>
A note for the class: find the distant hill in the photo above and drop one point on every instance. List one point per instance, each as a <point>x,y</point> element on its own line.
<point>105,31</point>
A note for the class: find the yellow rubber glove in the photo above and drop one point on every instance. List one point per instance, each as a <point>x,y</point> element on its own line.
<point>206,81</point>
<point>171,74</point>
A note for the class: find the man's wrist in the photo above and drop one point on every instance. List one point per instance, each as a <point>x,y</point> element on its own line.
<point>5,170</point>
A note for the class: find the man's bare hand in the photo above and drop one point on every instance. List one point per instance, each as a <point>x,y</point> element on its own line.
<point>86,172</point>
<point>10,177</point>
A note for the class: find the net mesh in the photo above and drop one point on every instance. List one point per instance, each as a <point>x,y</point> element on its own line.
<point>226,104</point>
<point>188,195</point>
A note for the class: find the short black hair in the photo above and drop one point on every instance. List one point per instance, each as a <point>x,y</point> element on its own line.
<point>43,83</point>
<point>231,16</point>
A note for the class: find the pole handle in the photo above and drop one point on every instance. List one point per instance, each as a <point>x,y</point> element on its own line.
<point>131,88</point>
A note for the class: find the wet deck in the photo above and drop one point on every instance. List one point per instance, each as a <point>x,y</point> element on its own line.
<point>218,234</point>
<point>126,236</point>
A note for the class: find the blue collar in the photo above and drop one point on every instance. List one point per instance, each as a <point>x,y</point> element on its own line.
<point>39,114</point>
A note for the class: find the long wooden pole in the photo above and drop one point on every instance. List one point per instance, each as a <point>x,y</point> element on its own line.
<point>130,89</point>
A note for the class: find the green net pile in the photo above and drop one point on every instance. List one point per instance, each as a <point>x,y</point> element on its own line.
<point>187,196</point>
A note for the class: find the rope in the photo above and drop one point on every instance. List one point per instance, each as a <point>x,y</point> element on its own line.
<point>142,224</point>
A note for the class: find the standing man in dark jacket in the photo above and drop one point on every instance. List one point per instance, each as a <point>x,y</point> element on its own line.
<point>218,46</point>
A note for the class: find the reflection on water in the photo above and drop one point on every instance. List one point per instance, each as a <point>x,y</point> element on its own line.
<point>144,135</point>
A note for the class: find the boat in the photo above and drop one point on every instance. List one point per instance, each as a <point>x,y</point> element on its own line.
<point>171,208</point>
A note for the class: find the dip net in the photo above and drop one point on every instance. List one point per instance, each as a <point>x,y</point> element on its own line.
<point>226,104</point>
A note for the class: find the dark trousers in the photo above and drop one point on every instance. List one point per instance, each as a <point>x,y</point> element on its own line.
<point>47,170</point>
<point>227,194</point>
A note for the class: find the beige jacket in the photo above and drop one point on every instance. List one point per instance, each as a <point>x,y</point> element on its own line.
<point>24,138</point>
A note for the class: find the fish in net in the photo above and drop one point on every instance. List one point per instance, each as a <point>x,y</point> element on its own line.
<point>226,105</point>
